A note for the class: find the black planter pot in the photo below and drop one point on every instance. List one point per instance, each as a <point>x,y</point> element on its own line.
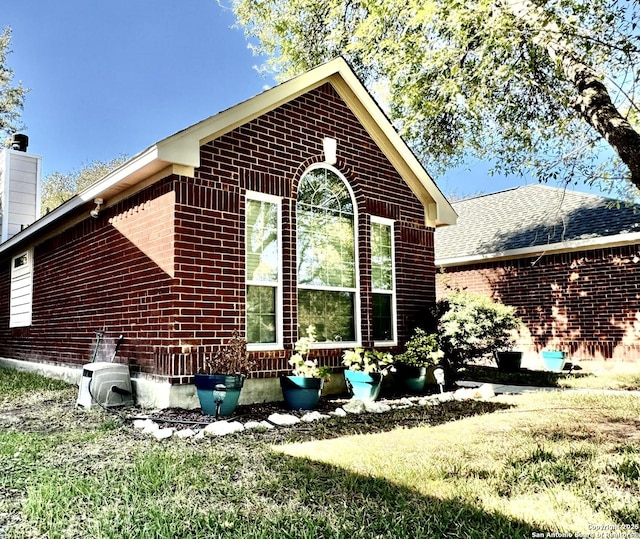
<point>411,378</point>
<point>508,361</point>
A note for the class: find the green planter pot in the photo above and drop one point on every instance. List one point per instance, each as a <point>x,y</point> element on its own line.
<point>508,361</point>
<point>205,385</point>
<point>411,378</point>
<point>300,392</point>
<point>554,360</point>
<point>365,387</point>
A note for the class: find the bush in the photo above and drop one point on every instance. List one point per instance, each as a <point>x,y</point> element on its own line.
<point>422,350</point>
<point>474,325</point>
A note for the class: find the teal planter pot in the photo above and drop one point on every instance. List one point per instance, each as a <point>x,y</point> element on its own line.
<point>554,360</point>
<point>300,392</point>
<point>411,379</point>
<point>206,383</point>
<point>365,387</point>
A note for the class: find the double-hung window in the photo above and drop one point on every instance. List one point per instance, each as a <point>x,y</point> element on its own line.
<point>263,251</point>
<point>383,281</point>
<point>21,297</point>
<point>326,257</point>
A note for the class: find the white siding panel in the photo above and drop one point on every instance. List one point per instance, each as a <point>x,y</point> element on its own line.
<point>21,294</point>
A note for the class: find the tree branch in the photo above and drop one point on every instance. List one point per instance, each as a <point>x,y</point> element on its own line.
<point>593,102</point>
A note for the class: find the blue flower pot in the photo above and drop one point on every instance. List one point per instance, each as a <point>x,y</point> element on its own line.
<point>365,387</point>
<point>554,360</point>
<point>300,392</point>
<point>206,383</point>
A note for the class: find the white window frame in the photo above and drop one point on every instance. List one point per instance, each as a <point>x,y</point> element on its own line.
<point>21,291</point>
<point>278,344</point>
<point>394,311</point>
<point>356,290</point>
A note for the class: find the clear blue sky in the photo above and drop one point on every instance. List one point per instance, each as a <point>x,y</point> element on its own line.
<point>112,77</point>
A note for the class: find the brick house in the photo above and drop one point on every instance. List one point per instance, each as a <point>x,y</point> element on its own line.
<point>568,261</point>
<point>244,221</point>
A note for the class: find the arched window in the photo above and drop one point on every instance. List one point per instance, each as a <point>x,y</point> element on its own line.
<point>326,254</point>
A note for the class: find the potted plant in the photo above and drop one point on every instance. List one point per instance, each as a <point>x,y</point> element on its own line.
<point>554,360</point>
<point>221,379</point>
<point>365,370</point>
<point>302,389</point>
<point>473,325</point>
<point>421,352</point>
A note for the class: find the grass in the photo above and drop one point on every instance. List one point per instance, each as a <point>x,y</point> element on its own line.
<point>535,464</point>
<point>597,376</point>
<point>15,384</point>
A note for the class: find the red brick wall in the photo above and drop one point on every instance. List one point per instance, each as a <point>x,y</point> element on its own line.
<point>586,302</point>
<point>166,267</point>
<point>270,155</point>
<point>107,274</point>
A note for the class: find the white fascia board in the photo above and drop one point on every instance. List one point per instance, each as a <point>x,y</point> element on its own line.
<point>536,250</point>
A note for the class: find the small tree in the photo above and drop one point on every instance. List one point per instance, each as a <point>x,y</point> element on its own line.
<point>475,325</point>
<point>57,187</point>
<point>11,95</point>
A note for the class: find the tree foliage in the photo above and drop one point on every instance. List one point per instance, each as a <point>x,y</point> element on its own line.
<point>59,187</point>
<point>11,95</point>
<point>542,87</point>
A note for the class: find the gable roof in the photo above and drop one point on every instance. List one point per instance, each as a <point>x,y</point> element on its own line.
<point>533,219</point>
<point>180,152</point>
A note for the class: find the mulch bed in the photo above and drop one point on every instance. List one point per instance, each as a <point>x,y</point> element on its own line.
<point>332,427</point>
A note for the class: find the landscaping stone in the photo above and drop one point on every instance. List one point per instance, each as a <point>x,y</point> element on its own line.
<point>142,423</point>
<point>485,391</point>
<point>283,419</point>
<point>249,425</point>
<point>313,416</point>
<point>163,434</point>
<point>355,406</point>
<point>445,397</point>
<point>376,407</point>
<point>222,428</point>
<point>150,428</point>
<point>352,406</point>
<point>186,433</point>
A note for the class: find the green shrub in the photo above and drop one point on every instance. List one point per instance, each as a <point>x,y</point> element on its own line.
<point>422,350</point>
<point>474,325</point>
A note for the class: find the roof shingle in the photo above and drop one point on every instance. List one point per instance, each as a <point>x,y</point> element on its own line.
<point>529,216</point>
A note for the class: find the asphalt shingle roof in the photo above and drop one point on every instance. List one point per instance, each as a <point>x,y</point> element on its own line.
<point>528,216</point>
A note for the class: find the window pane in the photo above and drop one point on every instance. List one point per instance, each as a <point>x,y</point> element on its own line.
<point>261,314</point>
<point>332,313</point>
<point>382,317</point>
<point>381,257</point>
<point>326,236</point>
<point>262,241</point>
<point>326,250</point>
<point>322,188</point>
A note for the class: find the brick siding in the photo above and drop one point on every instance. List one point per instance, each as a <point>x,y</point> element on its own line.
<point>165,267</point>
<point>586,302</point>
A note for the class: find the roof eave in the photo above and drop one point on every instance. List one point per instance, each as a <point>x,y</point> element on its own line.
<point>539,250</point>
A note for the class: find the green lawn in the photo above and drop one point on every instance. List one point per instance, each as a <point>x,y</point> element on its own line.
<point>536,464</point>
